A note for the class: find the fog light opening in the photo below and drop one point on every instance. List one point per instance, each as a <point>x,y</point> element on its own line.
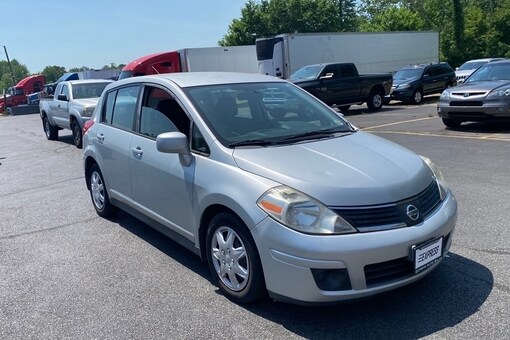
<point>332,279</point>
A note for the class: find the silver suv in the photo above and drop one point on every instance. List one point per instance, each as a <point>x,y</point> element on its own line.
<point>282,197</point>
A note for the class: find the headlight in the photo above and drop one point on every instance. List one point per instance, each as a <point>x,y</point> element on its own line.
<point>302,213</point>
<point>501,92</point>
<point>403,86</point>
<point>445,94</point>
<point>88,111</point>
<point>441,183</point>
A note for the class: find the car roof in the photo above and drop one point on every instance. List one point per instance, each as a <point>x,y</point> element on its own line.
<point>190,79</point>
<point>420,66</point>
<point>484,59</point>
<point>88,81</point>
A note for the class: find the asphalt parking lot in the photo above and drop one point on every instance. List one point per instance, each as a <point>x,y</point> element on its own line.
<point>67,273</point>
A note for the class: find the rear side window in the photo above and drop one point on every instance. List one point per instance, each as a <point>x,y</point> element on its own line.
<point>120,107</point>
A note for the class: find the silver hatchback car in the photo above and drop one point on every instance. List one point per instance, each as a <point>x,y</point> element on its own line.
<point>276,191</point>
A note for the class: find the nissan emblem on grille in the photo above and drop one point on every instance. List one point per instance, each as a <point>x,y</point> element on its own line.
<point>466,95</point>
<point>412,212</point>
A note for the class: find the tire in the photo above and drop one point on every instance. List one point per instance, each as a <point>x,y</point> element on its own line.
<point>77,136</point>
<point>99,194</point>
<point>375,101</point>
<point>344,108</point>
<point>417,97</point>
<point>50,130</point>
<point>233,259</point>
<point>451,123</point>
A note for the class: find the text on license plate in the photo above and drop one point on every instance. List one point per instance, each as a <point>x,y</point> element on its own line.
<point>427,254</point>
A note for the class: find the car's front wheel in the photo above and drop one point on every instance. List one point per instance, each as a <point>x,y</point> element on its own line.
<point>99,194</point>
<point>417,97</point>
<point>233,259</point>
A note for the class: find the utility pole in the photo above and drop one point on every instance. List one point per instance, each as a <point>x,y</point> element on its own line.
<point>10,66</point>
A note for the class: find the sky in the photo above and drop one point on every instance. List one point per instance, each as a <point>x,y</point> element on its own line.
<point>94,33</point>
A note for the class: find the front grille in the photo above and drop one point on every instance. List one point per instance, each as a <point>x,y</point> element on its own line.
<point>466,103</point>
<point>381,273</point>
<point>467,114</point>
<point>393,215</point>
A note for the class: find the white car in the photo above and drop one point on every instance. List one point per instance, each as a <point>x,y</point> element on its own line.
<point>465,70</point>
<point>284,198</point>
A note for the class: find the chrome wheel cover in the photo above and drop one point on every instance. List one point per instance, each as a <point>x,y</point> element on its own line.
<point>97,190</point>
<point>230,259</point>
<point>377,101</point>
<point>417,97</point>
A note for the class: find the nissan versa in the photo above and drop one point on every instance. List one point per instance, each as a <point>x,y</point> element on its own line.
<point>277,192</point>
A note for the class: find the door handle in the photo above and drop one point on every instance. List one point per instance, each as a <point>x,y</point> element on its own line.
<point>100,138</point>
<point>138,152</point>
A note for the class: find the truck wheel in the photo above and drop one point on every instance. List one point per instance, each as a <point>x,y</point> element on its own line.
<point>451,122</point>
<point>233,259</point>
<point>375,101</point>
<point>50,130</point>
<point>417,97</point>
<point>77,136</point>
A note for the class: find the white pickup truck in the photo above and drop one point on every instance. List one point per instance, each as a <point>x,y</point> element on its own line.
<point>71,106</point>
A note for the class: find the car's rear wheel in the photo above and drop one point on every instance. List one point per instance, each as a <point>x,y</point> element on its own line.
<point>375,100</point>
<point>77,135</point>
<point>99,194</point>
<point>451,122</point>
<point>233,259</point>
<point>417,97</point>
<point>50,131</point>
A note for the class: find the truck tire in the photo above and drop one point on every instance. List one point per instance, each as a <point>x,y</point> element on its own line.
<point>50,130</point>
<point>77,135</point>
<point>375,100</point>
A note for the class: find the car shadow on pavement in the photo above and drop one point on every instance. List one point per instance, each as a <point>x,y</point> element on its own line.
<point>484,127</point>
<point>455,290</point>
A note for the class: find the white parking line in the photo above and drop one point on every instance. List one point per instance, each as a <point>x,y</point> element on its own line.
<point>396,123</point>
<point>486,138</point>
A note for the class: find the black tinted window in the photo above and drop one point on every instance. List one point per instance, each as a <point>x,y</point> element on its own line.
<point>107,113</point>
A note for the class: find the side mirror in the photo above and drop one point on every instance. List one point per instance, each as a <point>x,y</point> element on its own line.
<point>62,97</point>
<point>174,142</point>
<point>327,76</point>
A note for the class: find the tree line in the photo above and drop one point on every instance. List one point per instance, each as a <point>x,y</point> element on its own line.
<point>468,29</point>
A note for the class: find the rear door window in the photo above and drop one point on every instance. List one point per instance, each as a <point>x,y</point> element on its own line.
<point>124,108</point>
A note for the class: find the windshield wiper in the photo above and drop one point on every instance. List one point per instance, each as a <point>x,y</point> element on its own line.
<point>317,134</point>
<point>248,142</point>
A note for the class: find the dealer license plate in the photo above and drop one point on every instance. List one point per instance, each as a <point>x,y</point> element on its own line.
<point>427,254</point>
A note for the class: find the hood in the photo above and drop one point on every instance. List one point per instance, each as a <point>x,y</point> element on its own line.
<point>359,169</point>
<point>397,82</point>
<point>480,86</point>
<point>86,102</point>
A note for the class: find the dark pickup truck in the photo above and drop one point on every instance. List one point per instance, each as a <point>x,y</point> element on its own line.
<point>340,84</point>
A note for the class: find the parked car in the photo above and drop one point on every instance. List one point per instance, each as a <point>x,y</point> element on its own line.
<point>484,96</point>
<point>340,84</point>
<point>71,106</point>
<point>465,70</point>
<point>411,83</point>
<point>268,184</point>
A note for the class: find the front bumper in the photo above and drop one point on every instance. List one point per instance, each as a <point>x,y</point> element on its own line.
<point>479,112</point>
<point>400,94</point>
<point>288,257</point>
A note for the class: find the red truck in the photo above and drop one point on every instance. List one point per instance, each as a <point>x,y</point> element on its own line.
<point>17,95</point>
<point>225,59</point>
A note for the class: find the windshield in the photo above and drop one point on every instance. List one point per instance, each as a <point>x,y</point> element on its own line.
<point>471,65</point>
<point>307,72</point>
<point>88,90</point>
<point>491,71</point>
<point>408,73</point>
<point>264,114</point>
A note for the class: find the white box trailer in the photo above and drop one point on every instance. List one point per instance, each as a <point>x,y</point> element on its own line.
<point>375,52</point>
<point>224,59</point>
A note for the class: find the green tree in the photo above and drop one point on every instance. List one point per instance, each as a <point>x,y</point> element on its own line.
<point>52,73</point>
<point>272,17</point>
<point>394,19</point>
<point>20,71</point>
